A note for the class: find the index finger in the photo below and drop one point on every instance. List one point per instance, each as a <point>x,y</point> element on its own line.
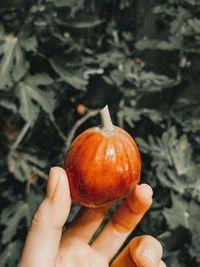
<point>123,221</point>
<point>43,239</point>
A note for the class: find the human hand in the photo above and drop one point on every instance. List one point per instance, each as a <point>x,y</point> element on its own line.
<point>46,246</point>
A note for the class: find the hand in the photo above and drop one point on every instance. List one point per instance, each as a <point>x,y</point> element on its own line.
<point>46,246</point>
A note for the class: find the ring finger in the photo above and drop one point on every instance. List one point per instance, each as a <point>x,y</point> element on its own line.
<point>123,222</point>
<point>84,224</point>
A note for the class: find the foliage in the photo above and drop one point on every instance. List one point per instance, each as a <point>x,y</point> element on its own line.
<point>141,58</point>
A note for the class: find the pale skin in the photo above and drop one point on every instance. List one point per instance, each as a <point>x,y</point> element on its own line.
<point>47,246</point>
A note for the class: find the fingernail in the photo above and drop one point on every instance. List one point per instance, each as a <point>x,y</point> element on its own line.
<point>149,192</point>
<point>52,182</point>
<point>149,254</point>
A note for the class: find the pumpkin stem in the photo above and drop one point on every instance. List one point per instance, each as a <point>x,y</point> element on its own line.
<point>106,123</point>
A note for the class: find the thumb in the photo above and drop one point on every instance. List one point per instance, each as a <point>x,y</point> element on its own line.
<point>44,236</point>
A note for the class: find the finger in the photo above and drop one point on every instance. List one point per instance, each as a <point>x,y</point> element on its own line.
<point>123,221</point>
<point>143,251</point>
<point>146,251</point>
<point>85,224</point>
<point>124,259</point>
<point>44,236</point>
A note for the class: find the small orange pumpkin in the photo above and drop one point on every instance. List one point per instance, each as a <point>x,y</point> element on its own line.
<point>102,164</point>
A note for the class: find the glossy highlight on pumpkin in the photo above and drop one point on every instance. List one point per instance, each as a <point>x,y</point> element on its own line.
<point>102,166</point>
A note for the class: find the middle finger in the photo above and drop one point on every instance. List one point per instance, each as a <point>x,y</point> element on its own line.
<point>85,224</point>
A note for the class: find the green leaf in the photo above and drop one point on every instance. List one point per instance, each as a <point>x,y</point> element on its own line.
<point>8,104</point>
<point>21,65</point>
<point>31,97</point>
<point>186,214</point>
<point>25,111</point>
<point>7,61</point>
<point>177,24</point>
<point>68,3</point>
<point>71,76</point>
<point>172,161</point>
<point>13,214</point>
<point>2,34</point>
<point>81,23</point>
<point>146,81</point>
<point>194,247</point>
<point>117,77</point>
<point>13,65</point>
<point>29,44</point>
<point>22,165</point>
<point>129,115</point>
<point>152,114</point>
<point>142,144</point>
<point>181,154</point>
<point>178,214</point>
<point>174,43</point>
<point>110,58</point>
<point>125,4</point>
<point>11,254</point>
<point>11,217</point>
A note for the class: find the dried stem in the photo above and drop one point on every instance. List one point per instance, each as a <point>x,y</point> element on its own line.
<point>106,123</point>
<point>57,127</point>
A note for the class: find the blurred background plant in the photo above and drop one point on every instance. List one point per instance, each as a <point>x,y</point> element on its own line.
<point>142,58</point>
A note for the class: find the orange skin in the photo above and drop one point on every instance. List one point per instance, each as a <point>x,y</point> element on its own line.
<point>102,166</point>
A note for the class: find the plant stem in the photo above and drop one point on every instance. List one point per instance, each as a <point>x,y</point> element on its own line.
<point>91,113</point>
<point>106,123</point>
<point>20,136</point>
<point>57,127</point>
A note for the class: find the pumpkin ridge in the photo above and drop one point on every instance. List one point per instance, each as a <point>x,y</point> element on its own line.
<point>92,158</point>
<point>75,149</point>
<point>131,143</point>
<point>127,159</point>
